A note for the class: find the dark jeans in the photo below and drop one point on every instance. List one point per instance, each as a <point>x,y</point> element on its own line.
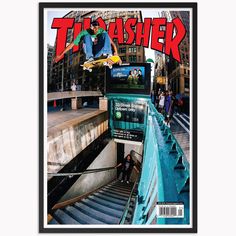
<point>126,173</point>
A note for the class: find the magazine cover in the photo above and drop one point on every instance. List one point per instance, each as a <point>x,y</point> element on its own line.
<point>118,117</point>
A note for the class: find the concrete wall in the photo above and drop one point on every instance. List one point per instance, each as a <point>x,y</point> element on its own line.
<point>90,182</point>
<point>136,148</point>
<point>72,94</point>
<point>67,142</point>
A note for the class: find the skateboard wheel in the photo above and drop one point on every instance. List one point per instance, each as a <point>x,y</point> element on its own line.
<point>110,67</point>
<point>105,63</point>
<point>90,70</point>
<point>84,68</point>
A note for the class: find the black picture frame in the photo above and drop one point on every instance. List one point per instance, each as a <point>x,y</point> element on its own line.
<point>42,97</point>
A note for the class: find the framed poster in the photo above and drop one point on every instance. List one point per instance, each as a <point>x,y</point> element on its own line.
<point>118,117</point>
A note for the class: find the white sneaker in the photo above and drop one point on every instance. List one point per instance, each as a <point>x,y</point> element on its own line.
<point>90,60</point>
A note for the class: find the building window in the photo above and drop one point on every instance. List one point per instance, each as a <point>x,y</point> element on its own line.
<point>133,58</point>
<point>123,58</point>
<point>122,50</point>
<point>186,82</point>
<point>132,49</point>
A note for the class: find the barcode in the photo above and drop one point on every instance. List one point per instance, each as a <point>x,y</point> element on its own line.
<point>170,211</point>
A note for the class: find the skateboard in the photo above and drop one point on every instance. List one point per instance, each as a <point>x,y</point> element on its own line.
<point>102,62</point>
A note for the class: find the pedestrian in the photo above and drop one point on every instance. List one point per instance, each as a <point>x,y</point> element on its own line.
<point>78,87</point>
<point>161,102</point>
<point>169,107</point>
<point>158,93</point>
<point>180,105</point>
<point>96,43</point>
<point>73,87</point>
<point>127,167</point>
<point>153,97</point>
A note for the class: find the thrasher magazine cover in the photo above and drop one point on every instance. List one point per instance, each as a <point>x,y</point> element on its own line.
<point>118,117</point>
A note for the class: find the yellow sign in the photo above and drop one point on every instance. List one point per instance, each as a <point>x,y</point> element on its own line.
<point>161,80</point>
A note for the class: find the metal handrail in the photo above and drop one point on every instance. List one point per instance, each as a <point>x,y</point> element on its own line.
<point>81,173</point>
<point>137,153</point>
<point>122,220</point>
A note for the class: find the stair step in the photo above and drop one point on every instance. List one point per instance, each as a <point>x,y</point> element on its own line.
<point>116,196</point>
<point>89,210</point>
<point>106,203</point>
<point>114,190</point>
<point>64,218</point>
<point>118,189</point>
<point>102,208</point>
<point>81,217</point>
<point>124,185</point>
<point>110,199</point>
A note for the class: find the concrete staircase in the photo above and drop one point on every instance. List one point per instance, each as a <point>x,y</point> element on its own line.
<point>105,206</point>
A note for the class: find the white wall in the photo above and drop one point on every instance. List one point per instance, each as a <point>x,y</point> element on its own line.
<point>89,182</point>
<point>136,148</point>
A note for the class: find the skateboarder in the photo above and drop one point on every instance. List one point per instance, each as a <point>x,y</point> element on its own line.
<point>96,43</point>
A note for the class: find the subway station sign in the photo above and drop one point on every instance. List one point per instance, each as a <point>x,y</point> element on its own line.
<point>129,111</point>
<point>132,135</point>
<point>127,119</point>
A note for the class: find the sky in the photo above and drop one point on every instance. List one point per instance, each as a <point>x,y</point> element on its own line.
<point>51,33</point>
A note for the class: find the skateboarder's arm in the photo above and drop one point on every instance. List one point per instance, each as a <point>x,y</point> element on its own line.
<point>71,45</point>
<point>57,58</point>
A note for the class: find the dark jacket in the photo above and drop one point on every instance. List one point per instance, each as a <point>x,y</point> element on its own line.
<point>130,166</point>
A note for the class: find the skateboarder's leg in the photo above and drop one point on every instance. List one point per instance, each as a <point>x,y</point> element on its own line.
<point>88,47</point>
<point>103,45</point>
<point>107,44</point>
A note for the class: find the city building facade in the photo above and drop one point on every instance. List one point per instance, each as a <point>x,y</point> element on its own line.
<point>178,73</point>
<point>50,53</point>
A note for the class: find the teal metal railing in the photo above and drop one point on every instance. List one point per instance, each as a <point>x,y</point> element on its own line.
<point>165,173</point>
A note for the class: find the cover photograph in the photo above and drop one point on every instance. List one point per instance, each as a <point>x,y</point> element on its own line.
<point>117,117</point>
